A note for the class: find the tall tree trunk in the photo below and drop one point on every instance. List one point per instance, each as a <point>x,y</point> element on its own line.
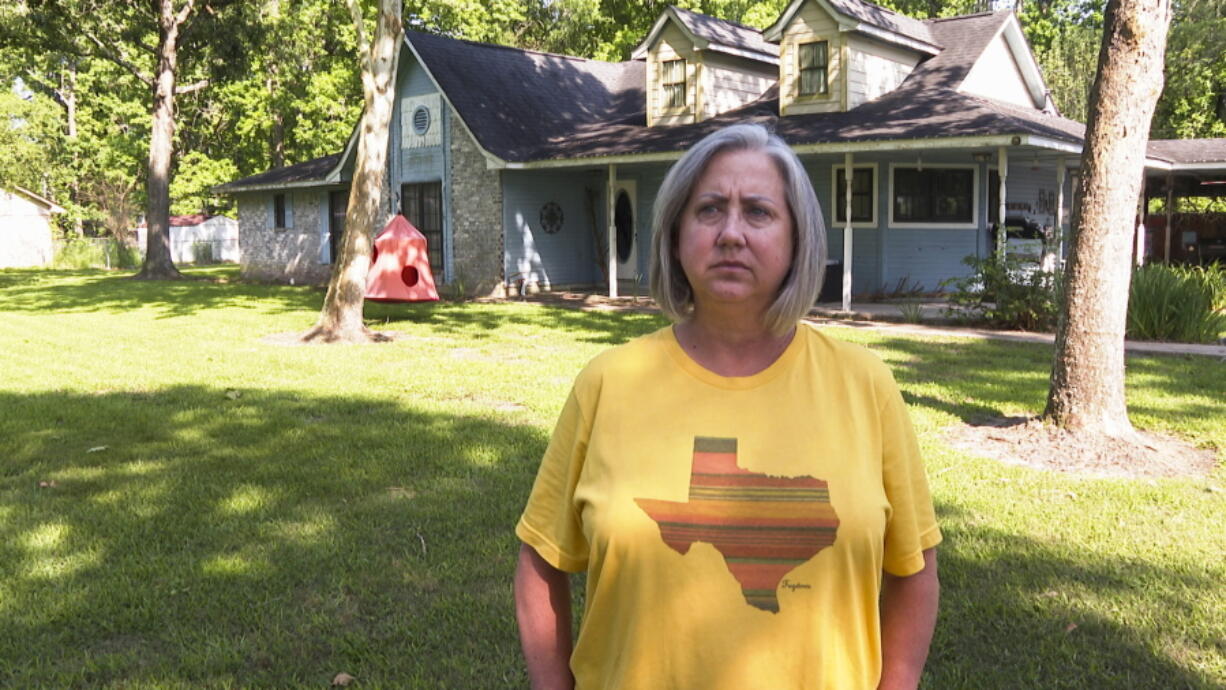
<point>340,320</point>
<point>69,90</point>
<point>158,263</point>
<point>1087,380</point>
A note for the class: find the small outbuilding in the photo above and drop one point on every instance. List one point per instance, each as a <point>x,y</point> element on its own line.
<point>199,238</point>
<point>400,265</point>
<point>25,228</point>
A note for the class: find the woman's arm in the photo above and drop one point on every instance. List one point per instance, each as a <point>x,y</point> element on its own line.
<point>542,608</point>
<point>908,617</point>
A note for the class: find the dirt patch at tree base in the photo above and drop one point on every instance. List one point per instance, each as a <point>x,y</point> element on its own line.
<point>295,338</point>
<point>1027,441</point>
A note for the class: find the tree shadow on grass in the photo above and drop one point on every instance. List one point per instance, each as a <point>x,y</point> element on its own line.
<point>478,321</point>
<point>271,539</point>
<point>1008,375</point>
<point>1018,612</point>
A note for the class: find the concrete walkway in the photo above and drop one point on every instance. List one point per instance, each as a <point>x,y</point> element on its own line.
<point>889,316</point>
<point>881,316</point>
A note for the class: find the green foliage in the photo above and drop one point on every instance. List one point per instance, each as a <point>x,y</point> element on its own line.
<point>1177,303</point>
<point>78,253</point>
<point>197,174</point>
<point>1005,293</point>
<point>1193,103</point>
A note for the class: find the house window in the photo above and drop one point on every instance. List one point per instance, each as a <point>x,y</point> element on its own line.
<point>422,205</point>
<point>934,195</point>
<point>814,68</point>
<point>278,211</point>
<point>338,207</point>
<point>672,79</point>
<point>863,195</point>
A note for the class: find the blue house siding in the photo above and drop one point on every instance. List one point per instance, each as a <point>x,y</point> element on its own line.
<point>566,257</point>
<point>413,163</point>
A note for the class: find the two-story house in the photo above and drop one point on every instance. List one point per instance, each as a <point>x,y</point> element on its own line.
<point>520,167</point>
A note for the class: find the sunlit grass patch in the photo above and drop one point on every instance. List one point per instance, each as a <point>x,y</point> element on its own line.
<point>262,515</point>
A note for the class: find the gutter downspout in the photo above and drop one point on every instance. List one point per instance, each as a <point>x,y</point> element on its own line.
<point>848,173</point>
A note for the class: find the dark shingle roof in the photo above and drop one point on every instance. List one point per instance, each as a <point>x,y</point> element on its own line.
<point>724,32</point>
<point>1188,150</point>
<point>308,171</point>
<point>524,105</point>
<point>965,39</point>
<point>882,18</point>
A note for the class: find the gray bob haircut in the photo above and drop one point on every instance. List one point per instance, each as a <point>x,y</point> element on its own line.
<point>669,286</point>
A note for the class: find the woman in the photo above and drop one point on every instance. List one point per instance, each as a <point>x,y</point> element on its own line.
<point>738,487</point>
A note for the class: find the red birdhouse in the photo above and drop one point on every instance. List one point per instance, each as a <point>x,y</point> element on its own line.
<point>400,266</point>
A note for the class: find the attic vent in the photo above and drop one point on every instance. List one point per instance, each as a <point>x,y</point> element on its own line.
<point>421,120</point>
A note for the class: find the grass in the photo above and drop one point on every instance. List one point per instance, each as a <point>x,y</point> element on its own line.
<point>228,512</point>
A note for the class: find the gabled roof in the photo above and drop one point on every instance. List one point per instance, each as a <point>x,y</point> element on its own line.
<point>39,199</point>
<point>306,174</point>
<point>710,33</point>
<point>527,105</point>
<point>865,17</point>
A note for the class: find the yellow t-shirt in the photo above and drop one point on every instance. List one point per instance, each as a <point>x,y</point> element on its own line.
<point>733,529</point>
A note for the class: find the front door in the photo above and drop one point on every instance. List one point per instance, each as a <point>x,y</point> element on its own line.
<point>627,231</point>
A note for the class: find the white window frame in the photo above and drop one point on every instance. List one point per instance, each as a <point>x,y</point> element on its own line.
<point>835,172</point>
<point>974,222</point>
<point>289,211</point>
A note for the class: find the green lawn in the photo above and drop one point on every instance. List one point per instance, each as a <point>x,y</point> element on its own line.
<point>228,512</point>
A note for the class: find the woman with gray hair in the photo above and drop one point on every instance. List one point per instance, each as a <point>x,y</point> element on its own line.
<point>744,493</point>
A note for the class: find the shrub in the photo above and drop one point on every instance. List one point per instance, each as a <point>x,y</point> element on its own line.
<point>78,253</point>
<point>202,253</point>
<point>1006,293</point>
<point>1178,303</point>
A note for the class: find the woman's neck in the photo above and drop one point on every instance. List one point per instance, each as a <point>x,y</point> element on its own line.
<point>731,347</point>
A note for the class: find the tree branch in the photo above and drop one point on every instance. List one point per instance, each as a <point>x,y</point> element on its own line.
<point>115,57</point>
<point>184,12</point>
<point>359,23</point>
<point>188,88</point>
<point>44,88</point>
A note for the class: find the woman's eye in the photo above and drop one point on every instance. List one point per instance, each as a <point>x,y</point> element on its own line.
<point>758,212</point>
<point>708,211</point>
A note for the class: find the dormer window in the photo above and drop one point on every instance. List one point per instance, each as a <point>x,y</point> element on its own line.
<point>672,81</point>
<point>814,66</point>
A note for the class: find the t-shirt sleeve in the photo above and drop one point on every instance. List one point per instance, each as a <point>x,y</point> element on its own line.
<point>551,523</point>
<point>911,527</point>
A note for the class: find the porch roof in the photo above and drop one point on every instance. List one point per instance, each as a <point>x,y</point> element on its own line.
<point>1188,151</point>
<point>307,173</point>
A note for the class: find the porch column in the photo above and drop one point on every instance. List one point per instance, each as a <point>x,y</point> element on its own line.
<point>1003,174</point>
<point>848,174</point>
<point>1170,192</point>
<point>1060,176</point>
<point>1139,258</point>
<point>611,240</point>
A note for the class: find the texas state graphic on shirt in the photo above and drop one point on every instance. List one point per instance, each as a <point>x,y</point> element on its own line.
<point>763,526</point>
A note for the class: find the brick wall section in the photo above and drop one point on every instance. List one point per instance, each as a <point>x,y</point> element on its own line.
<point>284,255</point>
<point>476,205</point>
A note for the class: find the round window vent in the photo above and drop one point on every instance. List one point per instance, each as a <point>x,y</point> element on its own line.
<point>421,120</point>
<point>551,217</point>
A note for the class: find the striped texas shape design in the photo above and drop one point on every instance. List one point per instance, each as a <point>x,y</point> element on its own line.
<point>763,526</point>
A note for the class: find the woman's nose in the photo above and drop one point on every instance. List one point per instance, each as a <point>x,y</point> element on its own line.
<point>732,231</point>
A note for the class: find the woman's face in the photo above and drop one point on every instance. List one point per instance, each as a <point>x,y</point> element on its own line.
<point>735,239</point>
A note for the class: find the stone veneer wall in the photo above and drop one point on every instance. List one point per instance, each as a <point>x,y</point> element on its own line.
<point>476,217</point>
<point>282,255</point>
